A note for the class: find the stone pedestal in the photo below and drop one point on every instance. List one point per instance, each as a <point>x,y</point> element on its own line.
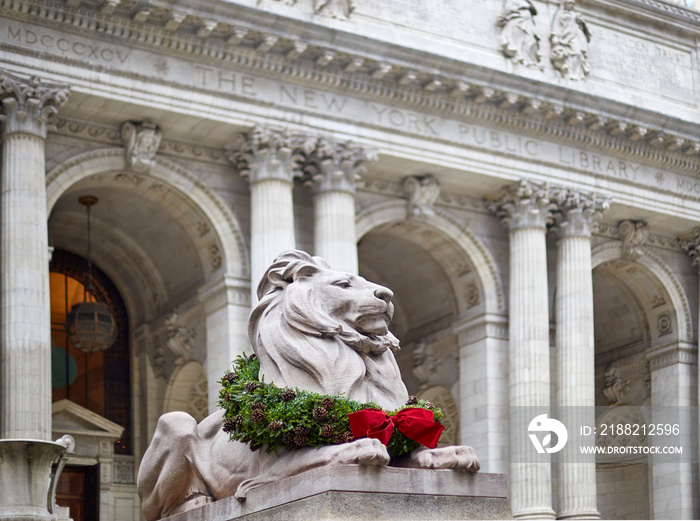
<point>29,472</point>
<point>354,492</point>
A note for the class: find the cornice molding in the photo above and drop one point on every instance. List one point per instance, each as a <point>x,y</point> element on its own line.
<point>395,80</point>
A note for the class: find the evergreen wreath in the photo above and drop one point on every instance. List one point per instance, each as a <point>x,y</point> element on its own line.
<point>259,413</point>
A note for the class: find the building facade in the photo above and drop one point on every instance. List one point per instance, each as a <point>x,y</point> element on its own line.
<point>523,174</point>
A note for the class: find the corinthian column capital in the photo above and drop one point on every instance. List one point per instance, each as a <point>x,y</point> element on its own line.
<point>265,153</point>
<point>28,104</point>
<point>523,205</point>
<point>336,166</point>
<point>575,211</point>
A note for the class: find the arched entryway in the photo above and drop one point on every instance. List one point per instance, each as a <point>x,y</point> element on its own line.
<point>449,317</point>
<point>643,339</point>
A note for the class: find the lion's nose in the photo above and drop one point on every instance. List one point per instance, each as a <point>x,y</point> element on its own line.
<point>383,293</point>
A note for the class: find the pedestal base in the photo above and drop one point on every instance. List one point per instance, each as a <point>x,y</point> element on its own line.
<point>29,471</point>
<point>355,492</point>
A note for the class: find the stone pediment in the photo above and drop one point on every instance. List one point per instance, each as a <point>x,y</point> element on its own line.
<point>70,418</point>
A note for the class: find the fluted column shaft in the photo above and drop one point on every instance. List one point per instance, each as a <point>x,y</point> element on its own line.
<point>575,349</point>
<point>333,169</point>
<point>334,232</point>
<point>524,209</point>
<point>271,223</point>
<point>270,159</point>
<point>25,320</point>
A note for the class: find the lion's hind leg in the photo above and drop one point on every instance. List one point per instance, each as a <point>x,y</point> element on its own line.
<point>168,481</point>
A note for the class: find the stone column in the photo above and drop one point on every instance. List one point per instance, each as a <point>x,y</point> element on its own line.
<point>25,324</point>
<point>525,209</point>
<point>270,159</point>
<point>575,348</point>
<point>227,306</point>
<point>333,169</point>
<point>687,396</point>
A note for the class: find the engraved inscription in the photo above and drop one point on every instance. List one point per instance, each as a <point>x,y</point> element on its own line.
<point>66,45</point>
<point>651,66</point>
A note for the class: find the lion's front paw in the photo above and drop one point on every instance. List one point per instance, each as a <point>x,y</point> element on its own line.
<point>457,457</point>
<point>365,451</point>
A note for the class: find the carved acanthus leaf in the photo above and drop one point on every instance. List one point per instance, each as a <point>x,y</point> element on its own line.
<point>337,166</point>
<point>30,104</point>
<point>525,204</point>
<point>576,211</point>
<point>266,153</point>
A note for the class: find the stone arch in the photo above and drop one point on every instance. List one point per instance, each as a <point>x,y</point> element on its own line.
<point>661,272</point>
<point>187,391</point>
<point>233,252</point>
<point>443,222</point>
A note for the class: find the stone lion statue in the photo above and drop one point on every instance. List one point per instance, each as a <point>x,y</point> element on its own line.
<point>313,328</point>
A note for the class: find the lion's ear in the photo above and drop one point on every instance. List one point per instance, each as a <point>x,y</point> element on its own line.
<point>276,277</point>
<point>305,271</point>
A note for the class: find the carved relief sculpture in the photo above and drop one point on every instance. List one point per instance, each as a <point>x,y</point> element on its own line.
<point>616,389</point>
<point>180,338</point>
<point>141,141</point>
<point>519,41</point>
<point>422,192</point>
<point>569,39</point>
<point>310,321</point>
<point>335,8</point>
<point>633,235</point>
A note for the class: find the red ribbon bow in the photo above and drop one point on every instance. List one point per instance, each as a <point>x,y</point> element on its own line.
<point>415,423</point>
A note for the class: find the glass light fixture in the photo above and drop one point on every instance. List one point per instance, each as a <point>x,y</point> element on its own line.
<point>90,325</point>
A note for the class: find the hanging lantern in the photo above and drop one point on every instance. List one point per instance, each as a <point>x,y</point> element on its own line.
<point>90,326</point>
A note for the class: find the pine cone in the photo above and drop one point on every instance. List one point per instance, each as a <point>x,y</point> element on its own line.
<point>327,431</point>
<point>275,426</point>
<point>288,439</point>
<point>339,438</point>
<point>429,405</point>
<point>231,377</point>
<point>320,414</point>
<point>252,357</point>
<point>254,448</point>
<point>288,395</point>
<point>327,403</point>
<point>258,405</point>
<point>229,425</point>
<point>251,386</point>
<point>302,430</point>
<point>258,416</point>
<point>300,441</point>
<point>238,420</point>
<point>412,400</point>
<point>347,437</point>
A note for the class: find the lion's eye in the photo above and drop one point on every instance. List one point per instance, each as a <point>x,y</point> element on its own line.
<point>342,283</point>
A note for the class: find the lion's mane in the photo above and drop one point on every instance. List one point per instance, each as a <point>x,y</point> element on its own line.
<point>300,344</point>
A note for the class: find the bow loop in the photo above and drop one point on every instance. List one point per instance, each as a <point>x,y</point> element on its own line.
<point>414,422</point>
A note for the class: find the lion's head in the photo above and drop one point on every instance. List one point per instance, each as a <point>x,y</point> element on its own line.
<point>326,331</point>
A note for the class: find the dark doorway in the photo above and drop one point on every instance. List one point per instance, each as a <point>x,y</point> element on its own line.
<point>78,489</point>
